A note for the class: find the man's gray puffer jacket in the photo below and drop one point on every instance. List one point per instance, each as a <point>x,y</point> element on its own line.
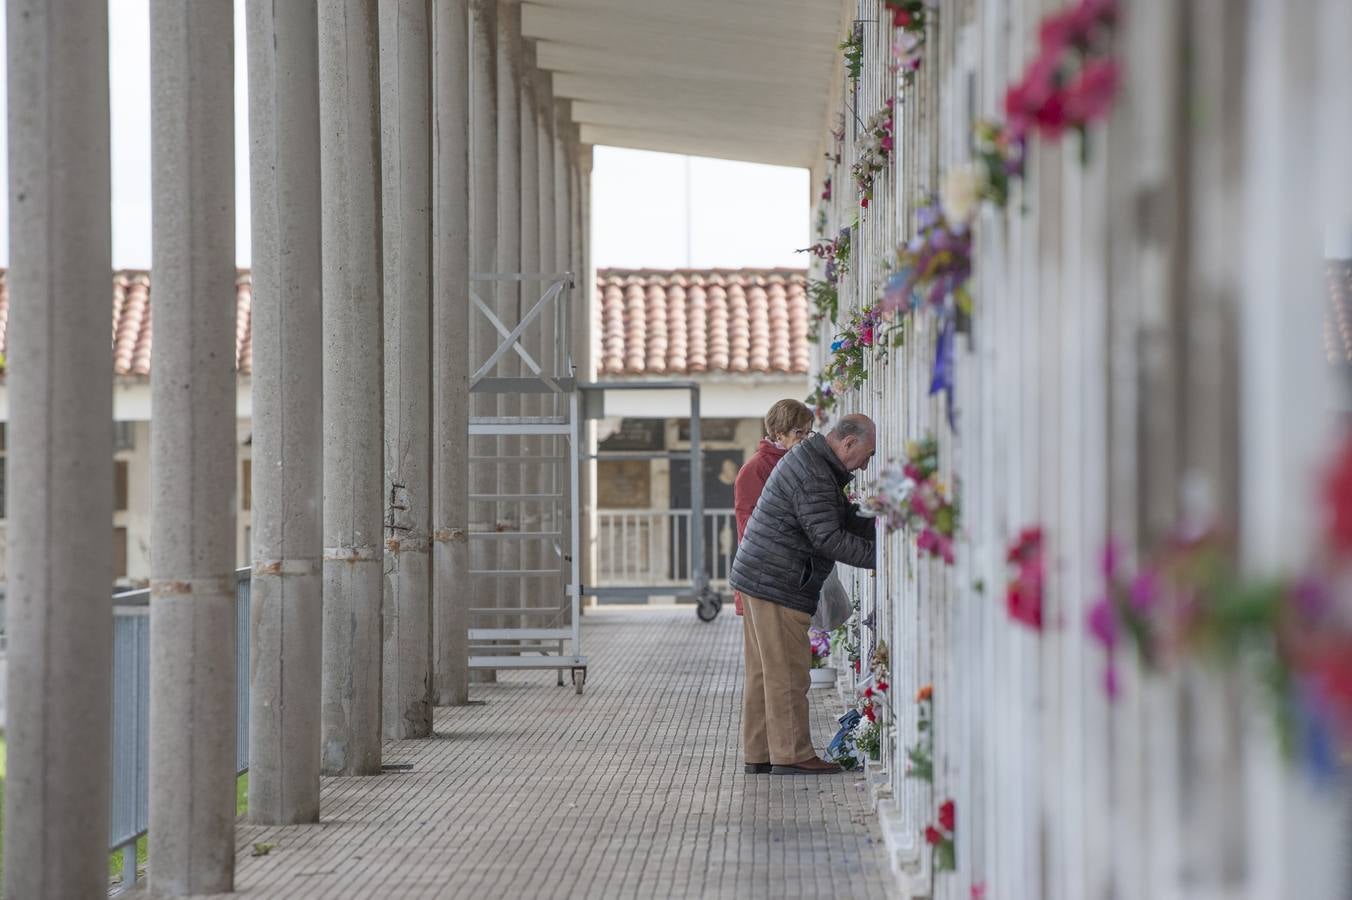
<point>801,527</point>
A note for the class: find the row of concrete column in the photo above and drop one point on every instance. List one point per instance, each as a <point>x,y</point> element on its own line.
<point>423,140</point>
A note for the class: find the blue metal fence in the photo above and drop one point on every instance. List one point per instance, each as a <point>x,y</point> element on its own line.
<point>131,715</point>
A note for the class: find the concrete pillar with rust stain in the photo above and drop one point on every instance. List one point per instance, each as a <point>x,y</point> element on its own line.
<point>550,592</point>
<point>562,262</point>
<point>582,347</point>
<point>192,450</point>
<point>349,120</point>
<point>452,590</point>
<point>509,261</point>
<point>526,515</point>
<point>59,375</point>
<point>406,227</point>
<point>286,621</point>
<point>483,196</point>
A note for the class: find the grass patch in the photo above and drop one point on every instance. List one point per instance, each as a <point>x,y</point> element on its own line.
<point>241,807</point>
<point>114,859</point>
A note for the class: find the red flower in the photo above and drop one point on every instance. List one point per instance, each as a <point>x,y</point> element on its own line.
<point>1338,501</point>
<point>856,666</point>
<point>933,836</point>
<point>900,18</point>
<point>1090,96</point>
<point>882,686</point>
<point>947,813</point>
<point>864,203</point>
<point>868,693</point>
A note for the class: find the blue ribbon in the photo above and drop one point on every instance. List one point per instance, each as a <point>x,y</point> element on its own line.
<point>942,379</point>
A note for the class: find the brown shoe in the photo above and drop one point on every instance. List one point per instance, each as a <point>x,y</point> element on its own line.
<point>811,766</point>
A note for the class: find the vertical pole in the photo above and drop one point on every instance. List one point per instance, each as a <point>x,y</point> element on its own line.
<point>698,579</point>
<point>549,336</point>
<point>353,399</point>
<point>286,620</point>
<point>59,619</point>
<point>509,261</point>
<point>406,220</point>
<point>526,520</point>
<point>582,320</point>
<point>484,260</point>
<point>192,447</point>
<point>452,592</point>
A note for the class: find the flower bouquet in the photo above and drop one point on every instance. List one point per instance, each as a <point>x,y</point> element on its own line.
<point>875,149</point>
<point>820,643</point>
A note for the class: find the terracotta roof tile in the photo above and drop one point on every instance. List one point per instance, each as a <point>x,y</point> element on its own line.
<point>688,321</point>
<point>131,322</point>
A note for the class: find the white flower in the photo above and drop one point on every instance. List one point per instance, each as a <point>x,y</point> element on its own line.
<point>960,193</point>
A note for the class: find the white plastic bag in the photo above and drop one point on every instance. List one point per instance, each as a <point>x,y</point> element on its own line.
<point>833,606</point>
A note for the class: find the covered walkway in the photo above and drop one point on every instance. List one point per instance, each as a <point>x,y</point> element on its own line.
<point>633,789</point>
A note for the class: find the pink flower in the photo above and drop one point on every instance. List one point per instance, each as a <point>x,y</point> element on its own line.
<point>1103,622</point>
<point>933,836</point>
<point>947,815</point>
<point>1110,683</point>
<point>1090,96</point>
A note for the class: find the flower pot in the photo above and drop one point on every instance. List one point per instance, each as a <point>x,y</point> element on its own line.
<point>823,677</point>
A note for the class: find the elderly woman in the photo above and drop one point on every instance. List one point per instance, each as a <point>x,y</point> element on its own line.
<point>787,423</point>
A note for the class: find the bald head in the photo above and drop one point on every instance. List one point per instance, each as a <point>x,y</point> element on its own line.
<point>852,440</point>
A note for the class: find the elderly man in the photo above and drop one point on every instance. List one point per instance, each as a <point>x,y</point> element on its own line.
<point>802,526</point>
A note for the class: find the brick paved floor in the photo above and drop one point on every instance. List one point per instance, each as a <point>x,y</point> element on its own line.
<point>634,789</point>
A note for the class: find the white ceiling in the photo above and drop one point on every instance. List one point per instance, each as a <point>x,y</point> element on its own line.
<point>737,79</point>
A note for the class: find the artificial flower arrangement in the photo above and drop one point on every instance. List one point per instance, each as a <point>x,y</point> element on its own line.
<point>933,266</point>
<point>1073,80</point>
<point>1001,157</point>
<point>943,838</point>
<point>908,36</point>
<point>920,755</point>
<point>853,49</point>
<point>875,709</point>
<point>1190,599</point>
<point>911,496</point>
<point>1023,595</point>
<point>835,253</point>
<point>874,149</point>
<point>820,643</point>
<point>865,336</point>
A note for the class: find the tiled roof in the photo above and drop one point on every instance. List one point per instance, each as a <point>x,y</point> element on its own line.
<point>682,321</point>
<point>1338,316</point>
<point>131,311</point>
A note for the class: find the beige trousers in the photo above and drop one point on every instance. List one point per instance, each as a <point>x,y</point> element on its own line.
<point>775,726</point>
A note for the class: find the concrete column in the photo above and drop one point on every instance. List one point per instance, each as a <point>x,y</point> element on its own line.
<point>563,199</point>
<point>509,260</point>
<point>452,591</point>
<point>531,404</point>
<point>192,450</point>
<point>349,120</point>
<point>484,259</point>
<point>286,621</point>
<point>406,194</point>
<point>583,341</point>
<point>59,371</point>
<point>547,481</point>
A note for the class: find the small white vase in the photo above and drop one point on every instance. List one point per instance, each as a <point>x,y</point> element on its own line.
<point>823,677</point>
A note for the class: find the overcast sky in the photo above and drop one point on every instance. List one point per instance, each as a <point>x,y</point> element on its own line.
<point>650,209</point>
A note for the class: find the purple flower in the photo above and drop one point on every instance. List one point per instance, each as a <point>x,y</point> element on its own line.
<point>1103,622</point>
<point>1111,687</point>
<point>1144,591</point>
<point>1108,561</point>
<point>1312,597</point>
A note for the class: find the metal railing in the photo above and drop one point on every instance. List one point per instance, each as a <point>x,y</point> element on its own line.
<point>653,546</point>
<point>129,819</point>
